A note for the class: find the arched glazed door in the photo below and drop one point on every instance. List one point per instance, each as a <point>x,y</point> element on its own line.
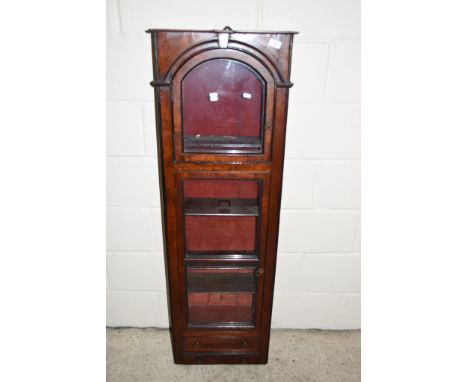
<point>236,93</point>
<point>231,94</point>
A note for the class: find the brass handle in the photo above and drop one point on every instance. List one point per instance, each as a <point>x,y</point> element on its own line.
<point>259,272</point>
<point>245,343</point>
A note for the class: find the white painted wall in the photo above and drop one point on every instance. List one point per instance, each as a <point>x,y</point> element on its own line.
<point>318,276</point>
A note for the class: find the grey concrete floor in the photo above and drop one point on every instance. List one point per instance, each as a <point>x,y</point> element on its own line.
<point>140,355</point>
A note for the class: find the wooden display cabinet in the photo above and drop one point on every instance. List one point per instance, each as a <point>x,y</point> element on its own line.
<point>221,104</point>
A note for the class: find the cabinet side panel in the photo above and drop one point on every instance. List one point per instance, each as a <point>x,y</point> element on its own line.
<point>161,119</point>
<point>274,216</point>
<point>164,135</point>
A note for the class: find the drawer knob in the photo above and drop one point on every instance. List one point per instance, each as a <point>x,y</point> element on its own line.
<point>199,360</point>
<point>197,343</point>
<point>245,343</point>
<point>244,360</point>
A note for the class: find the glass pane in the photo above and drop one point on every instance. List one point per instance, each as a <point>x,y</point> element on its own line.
<point>221,223</point>
<point>231,97</point>
<point>220,216</point>
<point>220,296</point>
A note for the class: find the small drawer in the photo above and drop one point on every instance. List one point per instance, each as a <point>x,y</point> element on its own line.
<point>230,344</point>
<point>223,358</point>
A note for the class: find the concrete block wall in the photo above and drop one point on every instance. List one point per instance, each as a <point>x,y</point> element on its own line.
<point>318,276</point>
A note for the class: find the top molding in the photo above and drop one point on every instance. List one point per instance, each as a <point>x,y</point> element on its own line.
<point>219,31</point>
<point>273,49</point>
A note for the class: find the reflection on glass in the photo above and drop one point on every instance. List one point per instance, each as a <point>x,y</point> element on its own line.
<point>220,215</point>
<point>231,97</point>
<point>217,296</point>
<point>221,223</point>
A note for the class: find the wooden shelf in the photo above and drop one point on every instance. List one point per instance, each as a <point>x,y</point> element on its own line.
<point>222,255</point>
<point>219,143</point>
<point>224,281</point>
<point>221,207</point>
<point>221,259</point>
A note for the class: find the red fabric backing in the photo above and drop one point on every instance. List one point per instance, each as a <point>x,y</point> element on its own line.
<point>220,189</point>
<point>231,115</point>
<point>220,233</point>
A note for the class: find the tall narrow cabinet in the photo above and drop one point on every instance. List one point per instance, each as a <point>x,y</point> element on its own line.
<point>221,102</point>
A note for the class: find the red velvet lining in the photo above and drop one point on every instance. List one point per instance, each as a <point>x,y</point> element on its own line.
<point>202,188</point>
<point>220,233</point>
<point>231,114</point>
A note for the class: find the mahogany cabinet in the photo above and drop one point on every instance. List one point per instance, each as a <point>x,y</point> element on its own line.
<point>221,103</point>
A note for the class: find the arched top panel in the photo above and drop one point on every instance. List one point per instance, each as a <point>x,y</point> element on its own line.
<point>231,94</point>
<point>245,52</point>
<point>265,72</point>
<point>236,93</point>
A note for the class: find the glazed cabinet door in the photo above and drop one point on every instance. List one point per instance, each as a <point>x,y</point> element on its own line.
<point>221,244</point>
<point>231,95</point>
<point>222,108</point>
